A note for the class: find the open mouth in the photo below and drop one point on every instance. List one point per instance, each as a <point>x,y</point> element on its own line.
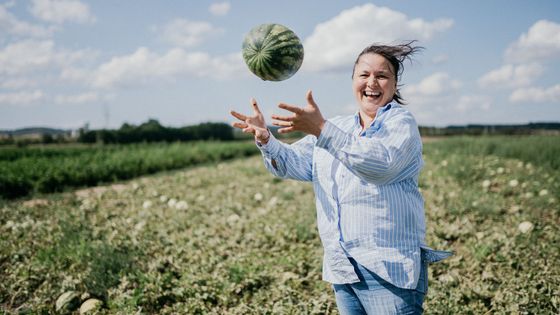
<point>371,95</point>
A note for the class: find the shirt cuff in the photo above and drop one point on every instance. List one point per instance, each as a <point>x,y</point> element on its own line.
<point>272,148</point>
<point>331,137</point>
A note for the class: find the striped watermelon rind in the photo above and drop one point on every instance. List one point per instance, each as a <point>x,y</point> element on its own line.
<point>272,52</point>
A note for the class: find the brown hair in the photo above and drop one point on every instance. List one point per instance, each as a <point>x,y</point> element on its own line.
<point>396,55</point>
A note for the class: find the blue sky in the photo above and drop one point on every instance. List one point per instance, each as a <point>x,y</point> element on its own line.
<point>65,63</point>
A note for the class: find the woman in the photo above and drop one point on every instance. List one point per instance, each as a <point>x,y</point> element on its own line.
<point>364,169</point>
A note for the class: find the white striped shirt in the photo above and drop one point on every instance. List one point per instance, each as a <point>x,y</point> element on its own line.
<point>366,189</point>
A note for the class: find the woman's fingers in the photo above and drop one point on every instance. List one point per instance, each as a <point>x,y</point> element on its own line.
<point>244,127</point>
<point>249,130</point>
<point>282,118</point>
<point>286,130</point>
<point>291,108</point>
<point>255,106</point>
<point>239,125</point>
<point>238,115</point>
<point>248,123</point>
<point>282,124</point>
<point>310,100</point>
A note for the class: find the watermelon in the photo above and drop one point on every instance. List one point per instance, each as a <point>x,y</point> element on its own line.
<point>272,52</point>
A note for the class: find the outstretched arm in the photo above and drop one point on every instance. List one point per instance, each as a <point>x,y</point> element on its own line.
<point>287,161</point>
<point>393,153</point>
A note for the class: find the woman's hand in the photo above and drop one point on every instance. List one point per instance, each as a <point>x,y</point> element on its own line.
<point>255,124</point>
<point>308,119</point>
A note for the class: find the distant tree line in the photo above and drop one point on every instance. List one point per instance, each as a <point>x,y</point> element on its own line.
<point>153,131</point>
<point>476,130</point>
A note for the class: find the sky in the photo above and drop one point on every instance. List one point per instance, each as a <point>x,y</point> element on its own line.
<point>68,63</point>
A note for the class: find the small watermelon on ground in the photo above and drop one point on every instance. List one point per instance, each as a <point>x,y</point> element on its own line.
<point>272,52</point>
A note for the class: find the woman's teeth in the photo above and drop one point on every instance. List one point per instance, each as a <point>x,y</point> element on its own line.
<point>371,94</point>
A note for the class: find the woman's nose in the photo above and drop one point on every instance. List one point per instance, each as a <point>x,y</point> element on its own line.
<point>372,81</point>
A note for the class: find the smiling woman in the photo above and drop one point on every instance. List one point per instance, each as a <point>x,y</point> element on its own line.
<point>364,170</point>
<point>375,76</point>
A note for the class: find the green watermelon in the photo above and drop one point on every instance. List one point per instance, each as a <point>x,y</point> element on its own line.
<point>272,52</point>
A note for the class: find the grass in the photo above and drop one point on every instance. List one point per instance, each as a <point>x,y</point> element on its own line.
<point>228,238</point>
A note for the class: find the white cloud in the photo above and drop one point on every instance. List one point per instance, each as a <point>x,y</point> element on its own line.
<point>185,33</point>
<point>16,83</point>
<point>536,94</point>
<point>219,8</point>
<point>144,65</point>
<point>511,76</point>
<point>86,97</point>
<point>9,24</point>
<point>433,85</point>
<point>473,103</point>
<point>453,108</point>
<point>33,56</point>
<point>74,74</point>
<point>542,41</point>
<point>60,11</point>
<point>334,44</point>
<point>437,99</point>
<point>26,56</point>
<point>21,98</point>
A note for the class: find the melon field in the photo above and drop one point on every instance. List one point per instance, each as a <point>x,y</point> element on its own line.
<point>225,237</point>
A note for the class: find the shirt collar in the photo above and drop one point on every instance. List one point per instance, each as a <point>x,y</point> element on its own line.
<point>380,111</point>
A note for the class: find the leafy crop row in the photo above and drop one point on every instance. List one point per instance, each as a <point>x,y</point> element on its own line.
<point>51,170</point>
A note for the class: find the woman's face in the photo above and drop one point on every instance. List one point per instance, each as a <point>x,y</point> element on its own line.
<point>373,82</point>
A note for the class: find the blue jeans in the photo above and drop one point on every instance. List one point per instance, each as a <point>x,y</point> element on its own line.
<point>373,295</point>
